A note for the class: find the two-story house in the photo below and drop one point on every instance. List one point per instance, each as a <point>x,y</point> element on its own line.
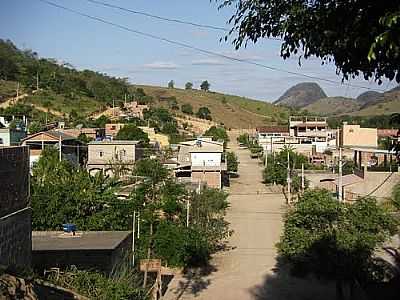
<point>202,161</point>
<point>109,156</point>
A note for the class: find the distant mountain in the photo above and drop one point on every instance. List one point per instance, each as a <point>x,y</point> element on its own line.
<point>301,95</point>
<point>369,98</point>
<point>333,106</point>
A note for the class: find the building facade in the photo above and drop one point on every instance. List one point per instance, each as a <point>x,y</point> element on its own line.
<point>355,136</point>
<point>201,161</point>
<point>106,156</point>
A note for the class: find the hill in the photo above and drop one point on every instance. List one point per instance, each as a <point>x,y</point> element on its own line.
<point>55,87</point>
<point>301,95</point>
<point>232,111</point>
<point>389,104</point>
<point>369,98</point>
<point>333,106</point>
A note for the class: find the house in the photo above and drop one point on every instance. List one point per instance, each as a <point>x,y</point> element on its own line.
<point>38,141</point>
<point>107,155</point>
<point>266,135</point>
<point>312,131</point>
<point>355,136</point>
<point>201,161</point>
<point>92,133</point>
<point>88,250</point>
<point>135,109</point>
<point>112,129</point>
<point>11,137</point>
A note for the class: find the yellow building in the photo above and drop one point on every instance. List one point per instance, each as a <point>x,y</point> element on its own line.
<point>354,135</point>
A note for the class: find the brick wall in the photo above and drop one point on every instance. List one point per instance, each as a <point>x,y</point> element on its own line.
<point>14,179</point>
<point>15,213</point>
<point>15,239</point>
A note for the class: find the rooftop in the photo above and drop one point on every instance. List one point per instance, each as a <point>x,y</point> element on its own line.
<point>272,129</point>
<point>87,240</point>
<point>52,134</point>
<point>114,142</point>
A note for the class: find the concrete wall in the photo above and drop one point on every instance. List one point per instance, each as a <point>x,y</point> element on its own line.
<point>15,213</point>
<point>213,179</point>
<point>205,159</point>
<point>105,153</point>
<point>354,135</point>
<point>104,260</point>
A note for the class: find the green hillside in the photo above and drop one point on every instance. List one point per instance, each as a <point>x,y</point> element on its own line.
<point>232,111</point>
<point>62,90</point>
<point>333,106</point>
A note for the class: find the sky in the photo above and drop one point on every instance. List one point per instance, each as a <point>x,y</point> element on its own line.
<point>88,44</point>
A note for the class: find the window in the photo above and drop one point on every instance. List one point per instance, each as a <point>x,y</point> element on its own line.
<point>101,153</point>
<point>113,127</point>
<point>1,141</point>
<point>351,130</point>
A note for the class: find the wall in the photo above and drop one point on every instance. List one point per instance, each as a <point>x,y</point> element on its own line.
<point>15,212</point>
<point>110,152</point>
<point>354,135</point>
<point>99,259</point>
<point>5,137</point>
<point>205,159</point>
<point>213,179</point>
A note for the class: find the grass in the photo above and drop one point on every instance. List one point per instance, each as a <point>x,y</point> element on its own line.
<point>386,107</point>
<point>333,106</point>
<point>232,111</point>
<point>60,103</point>
<point>8,89</point>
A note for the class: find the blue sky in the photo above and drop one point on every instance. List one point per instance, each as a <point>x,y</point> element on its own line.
<point>88,44</point>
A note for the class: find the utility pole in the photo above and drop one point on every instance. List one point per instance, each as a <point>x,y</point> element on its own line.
<point>37,81</point>
<point>133,238</point>
<point>288,177</point>
<point>59,149</point>
<point>125,101</point>
<point>340,179</point>
<point>302,178</point>
<point>113,107</point>
<point>187,212</point>
<point>17,89</point>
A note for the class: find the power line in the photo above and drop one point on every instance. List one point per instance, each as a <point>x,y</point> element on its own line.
<point>158,17</point>
<point>207,52</point>
<point>174,20</point>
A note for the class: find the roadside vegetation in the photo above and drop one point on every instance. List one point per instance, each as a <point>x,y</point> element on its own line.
<point>62,193</point>
<point>337,241</point>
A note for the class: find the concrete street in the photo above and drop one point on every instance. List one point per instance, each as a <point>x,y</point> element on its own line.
<point>248,270</point>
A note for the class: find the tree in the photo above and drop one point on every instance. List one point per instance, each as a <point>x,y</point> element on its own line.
<point>171,84</point>
<point>187,108</point>
<point>232,162</point>
<point>204,113</point>
<point>62,193</point>
<point>243,139</point>
<point>360,37</point>
<point>188,86</point>
<point>205,86</point>
<point>217,134</point>
<point>131,132</point>
<point>334,240</point>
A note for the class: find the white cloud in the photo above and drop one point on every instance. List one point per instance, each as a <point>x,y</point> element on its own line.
<point>161,65</point>
<point>208,62</point>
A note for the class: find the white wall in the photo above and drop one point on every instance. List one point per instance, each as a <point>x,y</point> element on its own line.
<point>205,159</point>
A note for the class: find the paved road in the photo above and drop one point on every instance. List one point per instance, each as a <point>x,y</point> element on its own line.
<point>256,218</point>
